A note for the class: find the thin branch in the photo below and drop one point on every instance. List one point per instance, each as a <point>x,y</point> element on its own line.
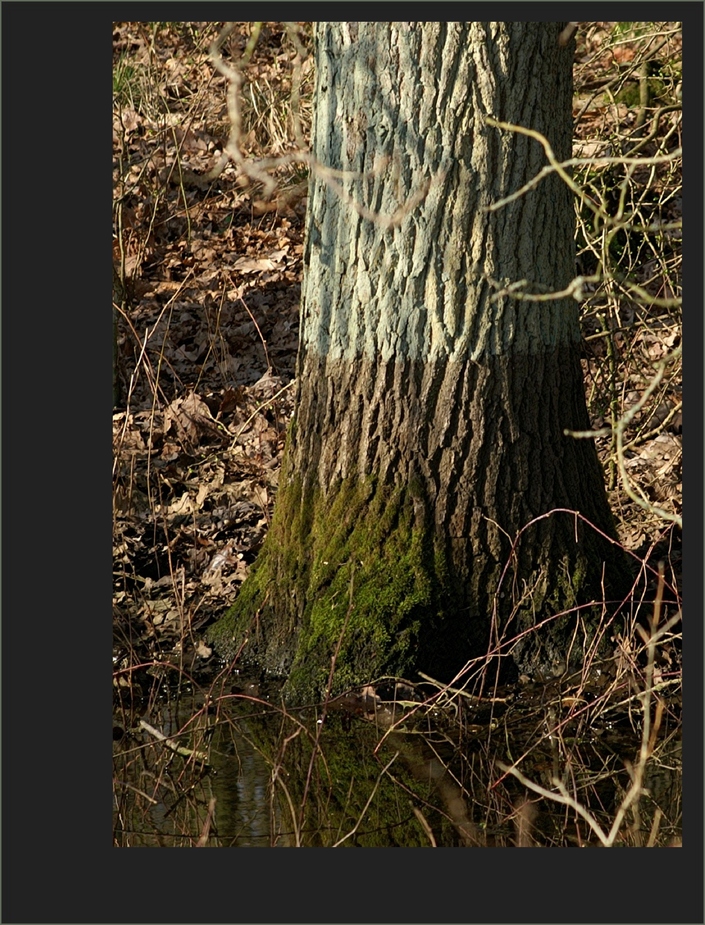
<point>173,745</point>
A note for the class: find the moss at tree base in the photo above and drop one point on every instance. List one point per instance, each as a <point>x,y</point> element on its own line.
<point>359,576</point>
<point>353,574</point>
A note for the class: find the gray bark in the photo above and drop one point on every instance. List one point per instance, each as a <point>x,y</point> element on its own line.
<point>402,105</point>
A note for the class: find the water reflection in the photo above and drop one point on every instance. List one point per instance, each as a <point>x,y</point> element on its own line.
<point>363,775</point>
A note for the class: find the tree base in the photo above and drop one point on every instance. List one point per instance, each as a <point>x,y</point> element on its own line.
<point>353,575</point>
<point>357,580</point>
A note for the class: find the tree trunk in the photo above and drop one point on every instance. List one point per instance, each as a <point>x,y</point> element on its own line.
<point>431,408</point>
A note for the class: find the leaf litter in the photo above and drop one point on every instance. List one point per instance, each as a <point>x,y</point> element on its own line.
<point>206,301</point>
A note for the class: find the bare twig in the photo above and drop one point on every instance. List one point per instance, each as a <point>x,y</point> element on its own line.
<point>173,745</point>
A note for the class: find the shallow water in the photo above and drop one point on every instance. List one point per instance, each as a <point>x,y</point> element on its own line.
<point>362,776</point>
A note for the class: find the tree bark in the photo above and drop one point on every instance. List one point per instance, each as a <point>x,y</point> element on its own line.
<point>431,404</point>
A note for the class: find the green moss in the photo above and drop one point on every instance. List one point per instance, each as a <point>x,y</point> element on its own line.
<point>351,573</point>
<point>629,95</point>
<point>358,576</point>
<point>371,584</point>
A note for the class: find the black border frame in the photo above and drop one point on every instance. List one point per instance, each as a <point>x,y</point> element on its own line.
<point>58,864</point>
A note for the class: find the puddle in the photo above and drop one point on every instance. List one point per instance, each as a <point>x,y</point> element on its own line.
<point>254,775</point>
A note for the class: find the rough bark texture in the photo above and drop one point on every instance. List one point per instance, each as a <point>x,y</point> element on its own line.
<point>430,410</point>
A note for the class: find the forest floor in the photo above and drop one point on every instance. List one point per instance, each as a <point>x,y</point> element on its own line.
<point>206,294</point>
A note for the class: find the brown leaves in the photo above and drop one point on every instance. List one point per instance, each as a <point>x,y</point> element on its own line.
<point>209,332</point>
<point>189,417</point>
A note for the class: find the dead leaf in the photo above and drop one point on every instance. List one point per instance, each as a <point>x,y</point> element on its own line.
<point>189,416</point>
<point>253,265</point>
